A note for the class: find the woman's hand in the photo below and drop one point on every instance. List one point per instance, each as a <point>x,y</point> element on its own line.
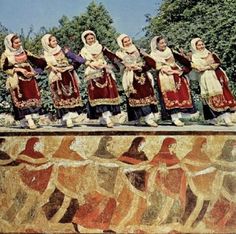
<point>21,70</point>
<point>27,74</point>
<point>30,74</point>
<point>54,69</point>
<point>133,67</point>
<point>167,70</point>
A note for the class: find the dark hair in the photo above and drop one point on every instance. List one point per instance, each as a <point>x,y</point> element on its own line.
<point>88,35</point>
<point>123,40</point>
<point>13,39</point>
<point>159,38</point>
<point>135,144</point>
<point>50,38</point>
<point>198,41</point>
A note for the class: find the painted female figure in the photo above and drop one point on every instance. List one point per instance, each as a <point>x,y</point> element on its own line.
<point>218,100</point>
<point>174,88</point>
<point>21,82</point>
<point>137,82</point>
<point>63,82</point>
<point>131,195</point>
<point>103,150</point>
<point>170,177</point>
<point>136,155</point>
<point>201,175</point>
<point>222,215</point>
<point>103,97</point>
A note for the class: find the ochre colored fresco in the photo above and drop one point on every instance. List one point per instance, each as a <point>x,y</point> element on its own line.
<point>124,184</point>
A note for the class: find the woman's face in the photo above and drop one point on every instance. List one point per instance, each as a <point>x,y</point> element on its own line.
<point>126,42</point>
<point>204,147</point>
<point>109,146</point>
<point>90,39</point>
<point>233,152</point>
<point>16,44</point>
<point>172,148</point>
<point>53,42</point>
<point>38,146</point>
<point>75,145</point>
<point>200,46</point>
<point>161,45</point>
<point>141,146</point>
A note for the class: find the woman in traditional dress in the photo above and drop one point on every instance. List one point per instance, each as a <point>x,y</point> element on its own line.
<point>175,95</point>
<point>63,82</point>
<point>21,82</point>
<point>222,215</point>
<point>103,97</point>
<point>138,82</point>
<point>217,98</point>
<point>201,176</point>
<point>170,177</point>
<point>131,192</point>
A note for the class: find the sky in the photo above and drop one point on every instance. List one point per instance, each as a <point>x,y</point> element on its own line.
<point>128,15</point>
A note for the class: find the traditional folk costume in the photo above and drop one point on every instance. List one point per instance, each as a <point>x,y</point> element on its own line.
<point>138,83</point>
<point>175,93</point>
<point>217,98</point>
<point>63,81</point>
<point>24,91</point>
<point>103,97</point>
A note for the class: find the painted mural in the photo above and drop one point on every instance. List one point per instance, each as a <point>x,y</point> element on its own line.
<point>118,184</point>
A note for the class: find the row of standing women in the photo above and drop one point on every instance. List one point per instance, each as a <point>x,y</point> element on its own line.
<point>172,69</point>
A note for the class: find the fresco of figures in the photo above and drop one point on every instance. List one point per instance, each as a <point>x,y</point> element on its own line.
<point>120,184</point>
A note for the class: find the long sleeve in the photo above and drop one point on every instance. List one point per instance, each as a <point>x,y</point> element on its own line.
<point>149,63</point>
<point>113,58</point>
<point>5,66</point>
<point>36,61</point>
<point>216,63</point>
<point>183,61</point>
<point>77,60</point>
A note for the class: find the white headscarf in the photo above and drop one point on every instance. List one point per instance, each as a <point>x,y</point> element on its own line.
<point>49,52</point>
<point>89,50</point>
<point>132,48</point>
<point>167,81</point>
<point>196,54</point>
<point>160,56</point>
<point>11,52</point>
<point>209,83</point>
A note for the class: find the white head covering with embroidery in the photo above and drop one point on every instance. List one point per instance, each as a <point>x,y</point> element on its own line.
<point>196,54</point>
<point>130,49</point>
<point>160,56</point>
<point>10,52</point>
<point>49,52</point>
<point>89,50</point>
